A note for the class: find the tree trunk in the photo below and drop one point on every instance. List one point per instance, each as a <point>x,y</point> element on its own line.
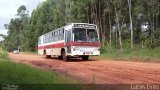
<point>153,32</point>
<point>119,30</point>
<point>100,25</point>
<point>110,29</point>
<point>131,26</point>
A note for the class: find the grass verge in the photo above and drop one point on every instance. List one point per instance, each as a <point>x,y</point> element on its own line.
<point>29,78</point>
<point>142,55</point>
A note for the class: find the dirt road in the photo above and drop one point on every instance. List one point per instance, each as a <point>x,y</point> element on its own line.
<point>97,71</point>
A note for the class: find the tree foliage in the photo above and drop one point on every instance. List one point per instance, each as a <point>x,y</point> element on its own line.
<point>119,21</point>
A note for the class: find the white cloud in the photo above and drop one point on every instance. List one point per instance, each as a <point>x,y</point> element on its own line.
<point>8,10</point>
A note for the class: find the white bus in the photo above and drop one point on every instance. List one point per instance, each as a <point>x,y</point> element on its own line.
<point>73,40</point>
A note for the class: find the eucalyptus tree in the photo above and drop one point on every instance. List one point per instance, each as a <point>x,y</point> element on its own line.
<point>23,14</point>
<point>151,11</point>
<point>120,13</point>
<point>130,16</point>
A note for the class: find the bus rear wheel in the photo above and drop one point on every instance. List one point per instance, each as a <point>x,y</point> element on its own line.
<point>85,58</point>
<point>48,56</point>
<point>64,56</point>
<point>59,57</point>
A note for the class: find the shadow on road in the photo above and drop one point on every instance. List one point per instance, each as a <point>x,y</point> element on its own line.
<point>73,59</point>
<point>80,60</point>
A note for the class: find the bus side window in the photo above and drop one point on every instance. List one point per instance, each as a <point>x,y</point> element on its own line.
<point>61,31</point>
<point>44,39</point>
<point>61,36</point>
<point>56,35</point>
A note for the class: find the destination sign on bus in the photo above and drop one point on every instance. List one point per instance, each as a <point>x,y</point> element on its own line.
<point>84,25</point>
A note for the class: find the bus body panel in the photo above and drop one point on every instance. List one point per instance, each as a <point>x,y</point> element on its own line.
<point>53,42</point>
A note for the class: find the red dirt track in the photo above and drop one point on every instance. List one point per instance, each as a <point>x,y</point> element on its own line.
<point>101,71</point>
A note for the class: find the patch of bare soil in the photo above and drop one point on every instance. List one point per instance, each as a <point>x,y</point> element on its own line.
<point>97,71</point>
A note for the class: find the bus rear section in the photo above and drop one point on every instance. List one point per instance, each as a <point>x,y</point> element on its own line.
<point>77,40</point>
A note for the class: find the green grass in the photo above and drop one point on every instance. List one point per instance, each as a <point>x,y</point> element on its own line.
<point>3,56</point>
<point>16,73</point>
<point>30,78</point>
<point>141,54</point>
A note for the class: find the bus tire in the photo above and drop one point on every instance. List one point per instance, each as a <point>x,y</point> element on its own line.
<point>64,56</point>
<point>59,57</point>
<point>48,56</point>
<point>85,57</point>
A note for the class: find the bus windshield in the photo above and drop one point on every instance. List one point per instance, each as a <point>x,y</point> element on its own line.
<point>85,35</point>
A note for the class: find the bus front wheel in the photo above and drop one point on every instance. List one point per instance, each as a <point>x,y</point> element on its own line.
<point>85,57</point>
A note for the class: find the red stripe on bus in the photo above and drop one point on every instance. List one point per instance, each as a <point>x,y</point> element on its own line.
<point>58,45</point>
<point>61,45</point>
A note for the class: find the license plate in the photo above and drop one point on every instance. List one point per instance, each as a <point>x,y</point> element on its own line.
<point>88,52</point>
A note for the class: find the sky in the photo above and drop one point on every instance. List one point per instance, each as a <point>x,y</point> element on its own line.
<point>8,10</point>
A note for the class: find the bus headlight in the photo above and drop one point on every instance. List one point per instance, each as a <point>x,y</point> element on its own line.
<point>96,49</point>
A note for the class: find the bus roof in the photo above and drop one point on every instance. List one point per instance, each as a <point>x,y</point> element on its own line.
<point>72,24</point>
